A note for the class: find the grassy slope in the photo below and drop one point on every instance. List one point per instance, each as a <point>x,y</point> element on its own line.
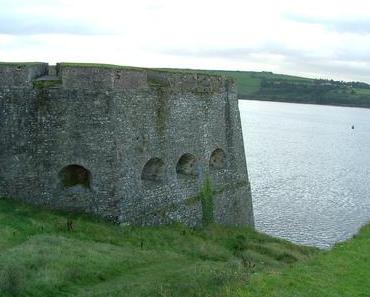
<point>362,91</point>
<point>342,272</point>
<point>39,257</point>
<point>300,90</point>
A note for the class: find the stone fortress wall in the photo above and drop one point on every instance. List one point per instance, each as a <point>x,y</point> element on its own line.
<point>129,144</point>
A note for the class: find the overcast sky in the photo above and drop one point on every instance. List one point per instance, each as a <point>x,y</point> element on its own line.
<point>322,39</point>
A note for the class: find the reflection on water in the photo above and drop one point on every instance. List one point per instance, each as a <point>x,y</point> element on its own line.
<point>309,170</point>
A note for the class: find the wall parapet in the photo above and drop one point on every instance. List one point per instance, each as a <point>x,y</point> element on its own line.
<point>21,74</point>
<point>92,76</point>
<point>110,77</point>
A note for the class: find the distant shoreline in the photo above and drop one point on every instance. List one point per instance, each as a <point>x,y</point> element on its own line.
<point>305,103</point>
<point>269,86</point>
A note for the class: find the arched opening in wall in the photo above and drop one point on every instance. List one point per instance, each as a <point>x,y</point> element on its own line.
<point>217,160</point>
<point>153,170</point>
<point>74,175</point>
<point>187,166</point>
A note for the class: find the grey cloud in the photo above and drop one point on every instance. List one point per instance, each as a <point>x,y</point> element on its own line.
<point>270,48</point>
<point>343,24</point>
<point>274,48</point>
<point>352,55</point>
<point>343,63</point>
<point>331,69</point>
<point>234,53</point>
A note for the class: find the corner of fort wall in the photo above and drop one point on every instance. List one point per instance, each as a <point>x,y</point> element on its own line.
<point>139,143</point>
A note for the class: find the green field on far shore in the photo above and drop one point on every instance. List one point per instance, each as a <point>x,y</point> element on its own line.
<point>286,88</point>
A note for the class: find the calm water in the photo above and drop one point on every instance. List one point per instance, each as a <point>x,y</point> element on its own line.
<point>309,171</point>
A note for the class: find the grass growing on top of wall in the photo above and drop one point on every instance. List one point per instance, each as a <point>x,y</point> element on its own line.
<point>118,67</point>
<point>20,64</point>
<point>97,65</point>
<point>40,257</point>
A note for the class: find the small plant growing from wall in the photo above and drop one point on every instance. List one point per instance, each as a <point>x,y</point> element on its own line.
<point>206,198</point>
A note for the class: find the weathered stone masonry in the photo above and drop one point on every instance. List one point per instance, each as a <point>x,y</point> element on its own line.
<point>133,145</point>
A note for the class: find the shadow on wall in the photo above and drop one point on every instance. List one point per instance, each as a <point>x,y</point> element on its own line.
<point>153,172</point>
<point>217,160</point>
<point>75,175</point>
<point>187,167</point>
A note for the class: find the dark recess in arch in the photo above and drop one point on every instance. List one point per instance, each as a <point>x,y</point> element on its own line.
<point>153,170</point>
<point>217,160</point>
<point>73,175</point>
<point>187,166</point>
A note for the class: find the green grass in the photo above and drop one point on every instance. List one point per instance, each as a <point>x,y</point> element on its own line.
<point>343,271</point>
<point>40,257</point>
<point>360,91</point>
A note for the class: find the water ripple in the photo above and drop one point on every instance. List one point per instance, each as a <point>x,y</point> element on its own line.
<point>309,170</point>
